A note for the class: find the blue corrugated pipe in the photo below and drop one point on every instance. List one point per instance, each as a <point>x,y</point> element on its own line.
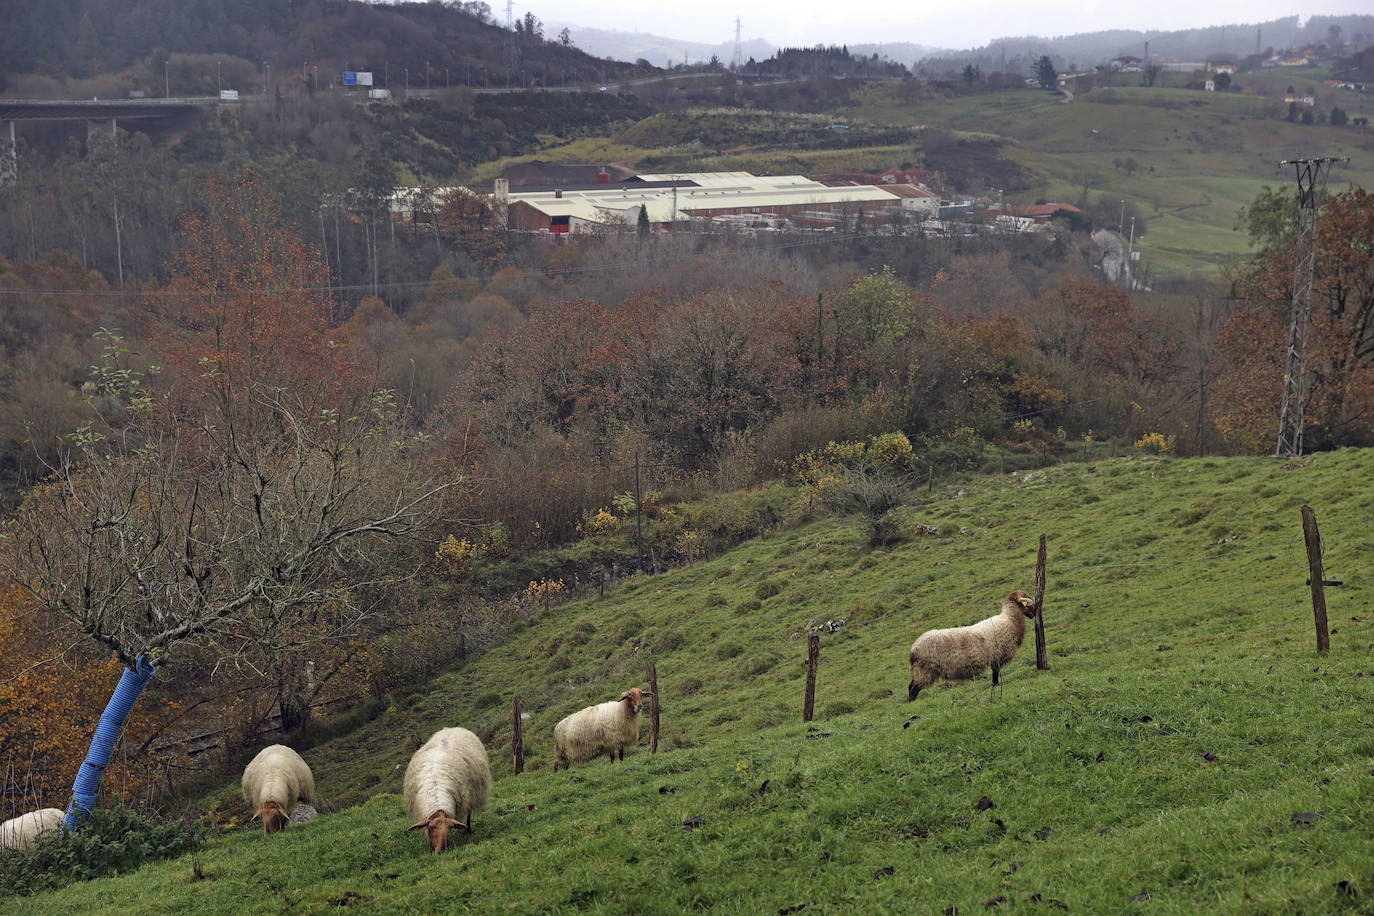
<point>87,785</point>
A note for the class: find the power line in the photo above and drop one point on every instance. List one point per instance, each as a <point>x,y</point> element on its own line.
<point>416,284</point>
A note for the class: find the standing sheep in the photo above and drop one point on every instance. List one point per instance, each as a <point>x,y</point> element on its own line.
<point>448,776</point>
<point>604,727</point>
<point>274,782</point>
<point>21,832</point>
<point>962,653</point>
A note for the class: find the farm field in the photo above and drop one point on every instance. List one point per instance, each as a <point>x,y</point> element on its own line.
<point>1200,156</point>
<point>1186,752</point>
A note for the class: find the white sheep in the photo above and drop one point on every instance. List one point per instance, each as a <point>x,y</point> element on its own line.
<point>607,727</point>
<point>274,782</point>
<point>448,776</point>
<point>21,832</point>
<point>963,653</point>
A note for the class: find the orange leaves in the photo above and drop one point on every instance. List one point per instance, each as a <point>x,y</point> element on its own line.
<point>252,303</point>
<point>51,707</point>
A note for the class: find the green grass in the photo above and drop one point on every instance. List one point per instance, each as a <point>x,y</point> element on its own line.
<point>1202,155</point>
<point>1183,723</point>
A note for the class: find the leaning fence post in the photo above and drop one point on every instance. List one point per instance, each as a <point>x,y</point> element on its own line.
<point>1313,537</point>
<point>517,743</point>
<point>653,708</point>
<point>1042,659</point>
<point>813,654</point>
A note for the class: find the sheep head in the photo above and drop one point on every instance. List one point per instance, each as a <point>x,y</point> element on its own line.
<point>635,699</point>
<point>437,826</point>
<point>272,816</point>
<point>1026,602</point>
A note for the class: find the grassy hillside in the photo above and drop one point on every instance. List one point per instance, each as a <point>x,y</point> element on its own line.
<point>1202,155</point>
<point>1186,748</point>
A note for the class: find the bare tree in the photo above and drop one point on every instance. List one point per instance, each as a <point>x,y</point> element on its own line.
<point>249,533</point>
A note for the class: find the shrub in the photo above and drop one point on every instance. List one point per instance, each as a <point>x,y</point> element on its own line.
<point>871,493</point>
<point>767,589</point>
<point>116,839</point>
<point>1156,443</point>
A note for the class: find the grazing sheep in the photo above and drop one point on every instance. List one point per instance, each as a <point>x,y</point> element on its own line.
<point>962,653</point>
<point>274,782</point>
<point>21,832</point>
<point>448,776</point>
<point>604,727</point>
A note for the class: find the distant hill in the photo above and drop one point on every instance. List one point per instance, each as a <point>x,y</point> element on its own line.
<point>96,40</point>
<point>658,50</point>
<point>1014,53</point>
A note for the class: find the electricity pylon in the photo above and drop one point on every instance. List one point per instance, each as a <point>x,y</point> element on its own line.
<point>1311,175</point>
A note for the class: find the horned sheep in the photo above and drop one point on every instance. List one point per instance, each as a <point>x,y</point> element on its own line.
<point>21,832</point>
<point>607,727</point>
<point>274,782</point>
<point>448,776</point>
<point>963,653</point>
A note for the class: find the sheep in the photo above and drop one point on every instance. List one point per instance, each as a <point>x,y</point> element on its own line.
<point>274,782</point>
<point>961,653</point>
<point>604,727</point>
<point>21,832</point>
<point>448,776</point>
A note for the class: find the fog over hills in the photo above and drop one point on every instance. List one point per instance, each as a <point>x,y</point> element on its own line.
<point>1085,47</point>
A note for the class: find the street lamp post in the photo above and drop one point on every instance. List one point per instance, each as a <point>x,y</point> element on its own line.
<point>166,80</point>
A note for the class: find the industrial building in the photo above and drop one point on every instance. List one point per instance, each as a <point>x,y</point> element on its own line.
<point>674,198</point>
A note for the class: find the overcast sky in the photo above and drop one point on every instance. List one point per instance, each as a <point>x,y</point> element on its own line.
<point>969,23</point>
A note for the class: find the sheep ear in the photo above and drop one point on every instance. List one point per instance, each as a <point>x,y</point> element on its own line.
<point>420,826</point>
<point>623,696</point>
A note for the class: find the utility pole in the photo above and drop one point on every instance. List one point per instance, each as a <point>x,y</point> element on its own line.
<point>166,80</point>
<point>1311,176</point>
<point>735,65</point>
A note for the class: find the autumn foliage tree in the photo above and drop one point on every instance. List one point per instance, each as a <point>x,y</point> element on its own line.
<point>240,514</point>
<point>1340,359</point>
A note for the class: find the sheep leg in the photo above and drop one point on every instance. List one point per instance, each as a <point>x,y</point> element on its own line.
<point>995,672</point>
<point>622,753</point>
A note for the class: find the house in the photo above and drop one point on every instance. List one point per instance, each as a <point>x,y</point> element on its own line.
<point>1126,64</point>
<point>1307,100</point>
<point>1222,64</point>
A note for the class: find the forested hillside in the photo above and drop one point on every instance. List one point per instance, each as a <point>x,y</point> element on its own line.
<point>123,46</point>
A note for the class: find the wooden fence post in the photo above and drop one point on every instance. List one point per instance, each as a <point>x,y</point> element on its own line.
<point>1042,659</point>
<point>654,708</point>
<point>813,654</point>
<point>1315,575</point>
<point>517,743</point>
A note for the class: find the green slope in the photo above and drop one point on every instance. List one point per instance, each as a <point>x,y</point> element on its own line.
<point>1202,155</point>
<point>1184,722</point>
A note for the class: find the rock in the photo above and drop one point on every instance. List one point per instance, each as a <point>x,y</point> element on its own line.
<point>302,813</point>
